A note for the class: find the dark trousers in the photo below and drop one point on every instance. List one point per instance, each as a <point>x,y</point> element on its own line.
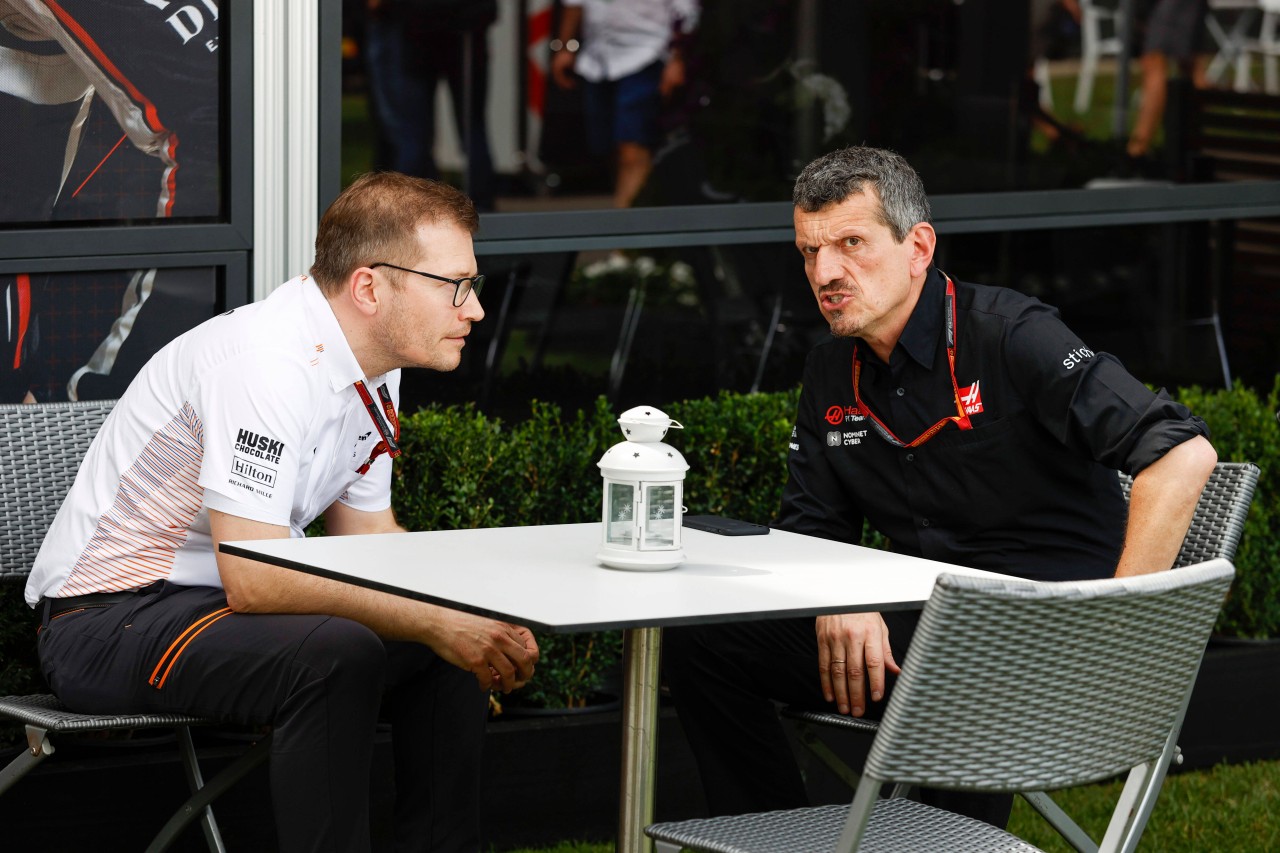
<point>319,681</point>
<point>725,680</point>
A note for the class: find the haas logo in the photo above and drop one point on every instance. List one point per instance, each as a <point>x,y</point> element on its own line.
<point>971,399</point>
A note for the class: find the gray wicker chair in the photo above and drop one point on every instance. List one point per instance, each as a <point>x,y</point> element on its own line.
<point>1215,532</point>
<point>1045,717</point>
<point>39,457</point>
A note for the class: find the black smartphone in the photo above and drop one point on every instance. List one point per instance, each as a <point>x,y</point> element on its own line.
<point>724,526</point>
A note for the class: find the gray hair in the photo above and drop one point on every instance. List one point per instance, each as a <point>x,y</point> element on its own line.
<point>834,177</point>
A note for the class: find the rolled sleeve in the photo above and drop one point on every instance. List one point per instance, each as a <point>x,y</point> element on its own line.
<point>1088,400</point>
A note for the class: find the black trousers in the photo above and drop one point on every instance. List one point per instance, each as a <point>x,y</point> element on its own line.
<point>319,681</point>
<point>725,680</point>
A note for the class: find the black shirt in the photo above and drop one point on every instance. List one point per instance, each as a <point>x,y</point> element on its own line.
<point>1030,490</point>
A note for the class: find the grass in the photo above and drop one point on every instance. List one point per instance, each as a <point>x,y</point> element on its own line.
<point>1228,809</point>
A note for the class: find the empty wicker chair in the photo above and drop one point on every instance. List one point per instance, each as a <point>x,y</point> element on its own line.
<point>1045,717</point>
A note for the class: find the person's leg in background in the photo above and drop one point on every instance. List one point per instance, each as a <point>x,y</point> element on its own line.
<point>637,108</point>
<point>1174,32</point>
<point>402,101</point>
<point>598,105</point>
<point>1155,87</point>
<point>465,66</point>
<point>438,714</point>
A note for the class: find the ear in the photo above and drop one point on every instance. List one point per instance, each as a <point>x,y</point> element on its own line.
<point>364,290</point>
<point>923,240</point>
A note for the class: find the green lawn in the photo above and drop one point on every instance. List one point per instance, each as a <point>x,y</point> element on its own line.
<point>1229,809</point>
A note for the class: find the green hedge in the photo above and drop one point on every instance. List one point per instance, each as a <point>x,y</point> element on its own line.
<point>462,469</point>
<point>1244,428</point>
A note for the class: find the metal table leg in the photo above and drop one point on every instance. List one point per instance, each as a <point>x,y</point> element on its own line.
<point>641,649</point>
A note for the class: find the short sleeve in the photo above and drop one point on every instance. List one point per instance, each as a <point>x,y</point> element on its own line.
<point>253,412</point>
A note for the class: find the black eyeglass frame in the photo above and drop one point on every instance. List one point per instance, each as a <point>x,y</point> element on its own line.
<point>473,282</point>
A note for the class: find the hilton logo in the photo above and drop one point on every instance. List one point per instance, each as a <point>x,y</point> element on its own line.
<point>253,472</point>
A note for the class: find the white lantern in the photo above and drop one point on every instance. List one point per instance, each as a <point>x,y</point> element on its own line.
<point>643,495</point>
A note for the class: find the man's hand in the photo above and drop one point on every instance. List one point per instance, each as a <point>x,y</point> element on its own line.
<point>853,652</point>
<point>562,62</point>
<point>500,655</point>
<point>673,75</point>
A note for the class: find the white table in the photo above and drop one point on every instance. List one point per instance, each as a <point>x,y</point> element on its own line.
<point>547,578</point>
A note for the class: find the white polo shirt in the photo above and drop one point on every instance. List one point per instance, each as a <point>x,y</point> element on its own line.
<point>253,413</point>
<point>620,37</point>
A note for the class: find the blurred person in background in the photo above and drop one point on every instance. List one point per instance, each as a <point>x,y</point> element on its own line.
<point>629,57</point>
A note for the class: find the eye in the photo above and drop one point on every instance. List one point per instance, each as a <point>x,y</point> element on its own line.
<point>850,242</point>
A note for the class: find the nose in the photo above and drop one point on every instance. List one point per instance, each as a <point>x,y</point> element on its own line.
<point>471,309</point>
<point>826,267</point>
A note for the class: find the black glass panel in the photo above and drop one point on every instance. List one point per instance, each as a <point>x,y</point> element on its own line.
<point>980,97</point>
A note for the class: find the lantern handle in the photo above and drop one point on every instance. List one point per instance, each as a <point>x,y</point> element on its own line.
<point>675,424</point>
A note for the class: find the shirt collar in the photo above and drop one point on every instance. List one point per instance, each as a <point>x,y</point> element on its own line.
<point>920,338</point>
<point>336,358</point>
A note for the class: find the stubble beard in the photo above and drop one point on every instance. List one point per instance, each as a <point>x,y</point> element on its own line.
<point>844,324</point>
<point>402,339</point>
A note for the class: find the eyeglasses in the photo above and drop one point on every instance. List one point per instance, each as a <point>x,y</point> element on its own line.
<point>462,287</point>
<point>960,419</point>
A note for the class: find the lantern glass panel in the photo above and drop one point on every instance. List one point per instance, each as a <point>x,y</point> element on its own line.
<point>622,502</point>
<point>660,521</point>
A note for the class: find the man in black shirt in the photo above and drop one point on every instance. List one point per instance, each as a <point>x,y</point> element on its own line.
<point>968,425</point>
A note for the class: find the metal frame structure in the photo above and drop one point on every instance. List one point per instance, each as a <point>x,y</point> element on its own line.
<point>727,224</point>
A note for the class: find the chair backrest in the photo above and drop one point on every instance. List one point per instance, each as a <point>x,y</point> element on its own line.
<point>1013,685</point>
<point>1092,17</point>
<point>1219,520</point>
<point>39,458</point>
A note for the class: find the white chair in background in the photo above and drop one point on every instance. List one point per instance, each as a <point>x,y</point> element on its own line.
<point>1040,73</point>
<point>1093,46</point>
<point>1267,45</point>
<point>1232,44</point>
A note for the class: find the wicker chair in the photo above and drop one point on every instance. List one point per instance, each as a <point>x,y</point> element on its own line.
<point>1215,532</point>
<point>1044,718</point>
<point>39,457</point>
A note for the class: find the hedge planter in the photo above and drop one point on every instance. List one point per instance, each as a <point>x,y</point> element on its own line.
<point>1235,705</point>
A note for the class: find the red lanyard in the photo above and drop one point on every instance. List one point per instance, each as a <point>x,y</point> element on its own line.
<point>960,419</point>
<point>389,433</point>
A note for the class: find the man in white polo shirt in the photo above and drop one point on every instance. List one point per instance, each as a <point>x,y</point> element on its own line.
<point>249,427</point>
